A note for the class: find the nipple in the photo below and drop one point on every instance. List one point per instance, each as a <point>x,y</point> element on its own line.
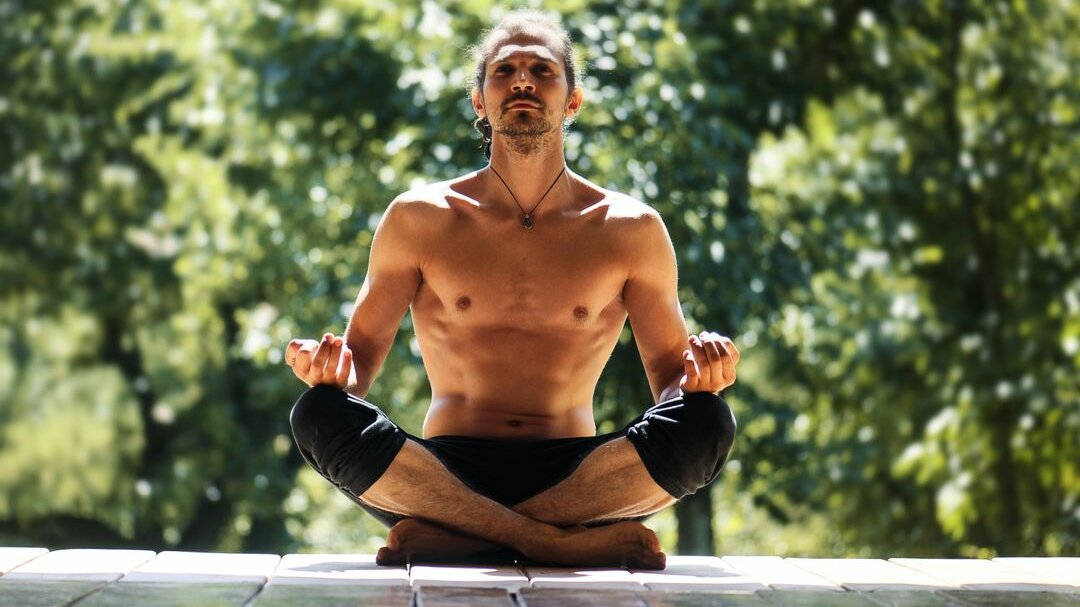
<point>463,303</point>
<point>581,312</point>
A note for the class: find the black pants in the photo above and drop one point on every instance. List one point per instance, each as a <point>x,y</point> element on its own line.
<point>683,443</point>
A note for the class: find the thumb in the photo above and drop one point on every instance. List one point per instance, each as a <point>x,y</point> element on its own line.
<point>689,381</point>
<point>292,350</point>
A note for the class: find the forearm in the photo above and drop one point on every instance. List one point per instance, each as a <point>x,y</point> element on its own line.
<point>670,390</point>
<point>367,358</point>
<point>360,379</point>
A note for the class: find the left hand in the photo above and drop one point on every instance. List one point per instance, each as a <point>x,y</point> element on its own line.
<point>709,363</point>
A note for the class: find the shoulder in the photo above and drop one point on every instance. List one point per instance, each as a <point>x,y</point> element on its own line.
<point>432,201</point>
<point>640,231</point>
<point>416,209</point>
<point>629,214</point>
<point>416,204</point>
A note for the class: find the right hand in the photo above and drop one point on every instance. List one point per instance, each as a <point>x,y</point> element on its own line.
<point>320,362</point>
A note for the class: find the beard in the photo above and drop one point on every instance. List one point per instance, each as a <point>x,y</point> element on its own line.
<point>526,133</point>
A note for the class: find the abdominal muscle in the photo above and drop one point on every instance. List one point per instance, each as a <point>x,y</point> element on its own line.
<point>456,416</point>
<point>512,383</point>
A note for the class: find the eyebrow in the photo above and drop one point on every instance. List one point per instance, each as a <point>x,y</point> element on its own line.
<point>534,56</point>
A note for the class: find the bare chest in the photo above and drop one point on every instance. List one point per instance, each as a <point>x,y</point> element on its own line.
<point>523,279</point>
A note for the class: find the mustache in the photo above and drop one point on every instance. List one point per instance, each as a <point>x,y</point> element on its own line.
<point>516,97</point>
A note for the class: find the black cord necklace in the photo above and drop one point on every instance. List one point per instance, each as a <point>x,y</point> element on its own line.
<point>526,221</point>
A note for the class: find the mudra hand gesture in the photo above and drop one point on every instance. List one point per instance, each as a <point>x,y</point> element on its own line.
<point>709,363</point>
<point>320,362</point>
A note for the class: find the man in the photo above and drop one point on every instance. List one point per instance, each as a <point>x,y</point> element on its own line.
<point>520,277</point>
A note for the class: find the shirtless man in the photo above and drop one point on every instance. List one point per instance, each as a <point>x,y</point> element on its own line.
<point>520,277</point>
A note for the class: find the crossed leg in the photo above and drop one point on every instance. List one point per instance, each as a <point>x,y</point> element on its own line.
<point>448,520</point>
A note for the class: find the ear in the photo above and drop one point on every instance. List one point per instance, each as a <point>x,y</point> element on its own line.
<point>478,103</point>
<point>573,104</point>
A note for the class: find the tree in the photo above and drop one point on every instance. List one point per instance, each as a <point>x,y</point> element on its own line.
<point>874,200</point>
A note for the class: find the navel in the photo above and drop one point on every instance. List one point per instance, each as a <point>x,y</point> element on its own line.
<point>581,312</point>
<point>463,303</point>
<point>514,423</point>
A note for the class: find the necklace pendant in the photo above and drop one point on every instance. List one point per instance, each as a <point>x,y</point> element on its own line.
<point>527,222</point>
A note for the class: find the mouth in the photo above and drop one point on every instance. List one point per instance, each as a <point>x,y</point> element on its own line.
<point>522,104</point>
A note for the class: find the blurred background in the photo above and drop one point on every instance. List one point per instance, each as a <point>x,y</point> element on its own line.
<point>877,200</point>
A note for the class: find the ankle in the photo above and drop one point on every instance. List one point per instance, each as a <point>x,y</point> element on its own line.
<point>541,544</point>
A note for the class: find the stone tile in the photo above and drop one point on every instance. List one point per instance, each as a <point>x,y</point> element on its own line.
<point>452,596</point>
<point>336,569</point>
<point>699,574</point>
<point>580,597</point>
<point>329,595</point>
<point>1062,569</point>
<point>869,574</point>
<point>981,574</point>
<point>993,598</point>
<point>141,594</point>
<point>912,598</point>
<point>796,598</point>
<point>594,579</point>
<point>495,576</point>
<point>205,568</point>
<point>40,593</point>
<point>696,599</point>
<point>11,558</point>
<point>96,565</point>
<point>780,575</point>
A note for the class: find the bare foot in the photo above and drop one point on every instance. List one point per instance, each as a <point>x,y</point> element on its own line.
<point>625,544</point>
<point>413,539</point>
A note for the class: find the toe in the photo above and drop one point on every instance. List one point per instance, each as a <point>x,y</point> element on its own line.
<point>383,555</point>
<point>651,541</point>
<point>648,559</point>
<point>396,535</point>
<point>386,557</point>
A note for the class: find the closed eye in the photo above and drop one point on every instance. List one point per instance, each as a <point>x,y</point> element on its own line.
<point>543,69</point>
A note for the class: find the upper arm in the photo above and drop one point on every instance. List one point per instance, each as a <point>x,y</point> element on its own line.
<point>652,303</point>
<point>392,279</point>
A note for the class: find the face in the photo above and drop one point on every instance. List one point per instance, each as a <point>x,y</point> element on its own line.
<point>525,94</point>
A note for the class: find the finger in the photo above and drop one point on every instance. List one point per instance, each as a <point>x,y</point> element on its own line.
<point>729,356</point>
<point>295,347</point>
<point>291,350</point>
<point>714,352</point>
<point>715,344</point>
<point>702,360</point>
<point>302,363</point>
<point>721,366</point>
<point>333,360</point>
<point>322,352</point>
<point>730,360</point>
<point>692,377</point>
<point>729,346</point>
<point>346,368</point>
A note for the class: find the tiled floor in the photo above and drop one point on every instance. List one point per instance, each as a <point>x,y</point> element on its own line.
<point>35,577</point>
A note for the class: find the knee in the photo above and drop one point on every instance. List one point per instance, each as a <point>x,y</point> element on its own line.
<point>711,429</point>
<point>685,443</point>
<point>711,413</point>
<point>348,441</point>
<point>318,410</point>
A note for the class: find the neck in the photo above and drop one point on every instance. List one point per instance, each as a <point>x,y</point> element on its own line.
<point>528,176</point>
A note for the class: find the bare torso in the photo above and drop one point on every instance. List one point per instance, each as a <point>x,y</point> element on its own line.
<point>515,325</point>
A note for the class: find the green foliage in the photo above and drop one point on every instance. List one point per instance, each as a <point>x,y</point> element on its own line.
<point>877,201</point>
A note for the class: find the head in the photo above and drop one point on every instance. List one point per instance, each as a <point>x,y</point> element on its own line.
<point>526,60</point>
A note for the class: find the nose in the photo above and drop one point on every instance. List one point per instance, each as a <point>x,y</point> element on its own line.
<point>523,83</point>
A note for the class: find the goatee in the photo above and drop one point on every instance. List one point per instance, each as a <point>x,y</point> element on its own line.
<point>524,134</point>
